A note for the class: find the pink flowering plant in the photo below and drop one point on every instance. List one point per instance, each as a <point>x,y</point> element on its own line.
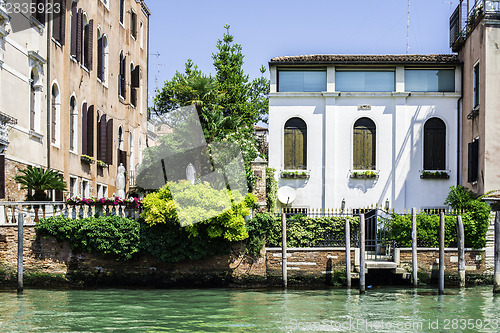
<point>114,201</point>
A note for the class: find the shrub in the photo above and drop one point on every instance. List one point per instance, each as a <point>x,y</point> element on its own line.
<point>475,217</point>
<point>303,231</point>
<point>221,213</point>
<point>263,228</point>
<point>105,235</point>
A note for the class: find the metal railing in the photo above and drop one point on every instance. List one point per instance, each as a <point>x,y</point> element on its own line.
<point>34,211</point>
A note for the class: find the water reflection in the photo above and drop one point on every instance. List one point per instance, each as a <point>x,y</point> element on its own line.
<point>222,310</point>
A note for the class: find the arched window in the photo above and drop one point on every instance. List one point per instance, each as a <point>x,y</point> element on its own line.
<point>133,89</point>
<point>121,77</point>
<point>364,144</point>
<point>434,144</point>
<point>73,114</point>
<point>55,104</point>
<point>102,56</point>
<point>85,39</point>
<point>295,144</point>
<point>122,11</point>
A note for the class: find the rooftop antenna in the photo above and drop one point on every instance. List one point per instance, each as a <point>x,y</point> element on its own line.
<point>408,30</point>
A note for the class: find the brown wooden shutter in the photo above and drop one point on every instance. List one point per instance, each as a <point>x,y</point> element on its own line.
<point>98,121</point>
<point>56,24</point>
<point>135,77</point>
<point>100,59</point>
<point>2,176</point>
<point>90,45</point>
<point>79,34</point>
<point>109,142</point>
<point>90,131</point>
<point>102,139</point>
<point>74,29</point>
<point>62,14</point>
<point>84,129</point>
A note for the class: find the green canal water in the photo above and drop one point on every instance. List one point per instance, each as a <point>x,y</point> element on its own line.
<point>232,310</point>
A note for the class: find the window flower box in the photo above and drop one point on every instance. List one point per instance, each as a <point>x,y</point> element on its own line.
<point>101,164</point>
<point>435,175</point>
<point>87,159</point>
<point>295,174</point>
<point>364,174</point>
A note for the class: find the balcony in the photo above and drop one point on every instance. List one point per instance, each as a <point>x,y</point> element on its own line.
<point>464,19</point>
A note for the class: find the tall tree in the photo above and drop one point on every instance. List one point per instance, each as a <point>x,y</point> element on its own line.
<point>249,101</point>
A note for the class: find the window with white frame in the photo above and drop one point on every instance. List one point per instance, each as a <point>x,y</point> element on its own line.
<point>55,114</point>
<point>430,80</point>
<point>295,144</point>
<point>133,24</point>
<point>476,83</point>
<point>141,36</point>
<point>85,191</point>
<point>122,11</point>
<point>73,121</point>
<point>73,186</point>
<point>102,57</point>
<point>35,100</point>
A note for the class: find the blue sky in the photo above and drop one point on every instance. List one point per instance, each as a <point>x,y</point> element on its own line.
<point>189,29</point>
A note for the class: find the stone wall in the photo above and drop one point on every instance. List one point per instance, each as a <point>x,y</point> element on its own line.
<point>13,192</point>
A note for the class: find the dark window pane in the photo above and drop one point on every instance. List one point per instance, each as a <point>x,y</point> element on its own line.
<point>434,144</point>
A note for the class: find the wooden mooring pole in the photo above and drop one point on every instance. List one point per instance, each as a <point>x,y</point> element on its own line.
<point>461,251</point>
<point>283,250</point>
<point>362,281</point>
<point>441,253</point>
<point>414,247</point>
<point>496,286</point>
<point>20,247</point>
<point>348,252</point>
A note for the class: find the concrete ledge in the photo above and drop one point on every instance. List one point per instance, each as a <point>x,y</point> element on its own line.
<point>308,249</point>
<point>447,249</point>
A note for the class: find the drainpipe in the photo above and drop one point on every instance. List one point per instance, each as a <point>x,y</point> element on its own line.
<point>49,92</point>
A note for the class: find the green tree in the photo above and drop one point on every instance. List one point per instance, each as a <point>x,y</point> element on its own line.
<point>40,180</point>
<point>247,100</point>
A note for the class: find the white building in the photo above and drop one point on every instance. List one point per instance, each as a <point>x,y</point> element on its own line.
<point>365,130</point>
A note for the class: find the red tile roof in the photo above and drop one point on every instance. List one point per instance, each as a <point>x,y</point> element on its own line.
<point>316,59</point>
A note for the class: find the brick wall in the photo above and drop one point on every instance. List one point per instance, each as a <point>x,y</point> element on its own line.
<point>47,255</point>
<point>307,261</point>
<point>428,260</point>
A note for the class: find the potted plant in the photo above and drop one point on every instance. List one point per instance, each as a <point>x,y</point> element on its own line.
<point>39,181</point>
<point>434,175</point>
<point>101,164</point>
<point>295,174</point>
<point>366,174</point>
<point>87,159</point>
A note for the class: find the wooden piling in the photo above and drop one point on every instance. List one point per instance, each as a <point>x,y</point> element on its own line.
<point>283,250</point>
<point>414,247</point>
<point>461,250</point>
<point>362,282</point>
<point>441,253</point>
<point>20,247</point>
<point>348,252</point>
<point>496,287</point>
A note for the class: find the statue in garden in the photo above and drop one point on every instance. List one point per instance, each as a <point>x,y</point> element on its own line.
<point>120,182</point>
